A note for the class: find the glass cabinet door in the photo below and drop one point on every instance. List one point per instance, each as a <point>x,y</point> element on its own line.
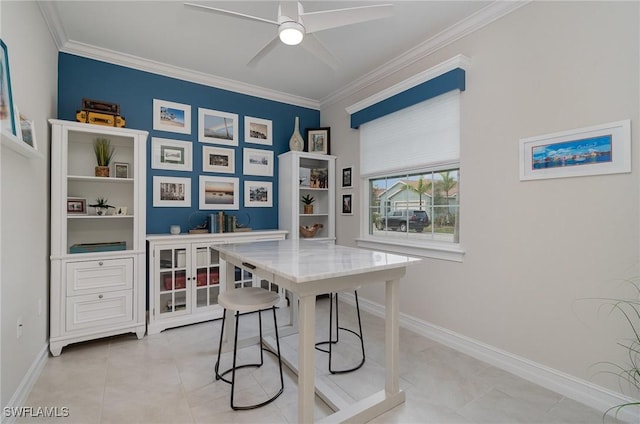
<point>207,272</point>
<point>172,281</point>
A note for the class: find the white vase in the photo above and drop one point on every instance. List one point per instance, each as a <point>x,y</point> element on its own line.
<point>296,142</point>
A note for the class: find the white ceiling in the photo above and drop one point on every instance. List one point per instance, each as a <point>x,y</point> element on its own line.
<point>169,38</point>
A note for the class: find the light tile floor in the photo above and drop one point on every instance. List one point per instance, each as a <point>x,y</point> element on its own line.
<point>168,378</point>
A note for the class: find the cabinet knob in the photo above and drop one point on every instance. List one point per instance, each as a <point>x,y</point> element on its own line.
<point>100,296</point>
<point>100,263</point>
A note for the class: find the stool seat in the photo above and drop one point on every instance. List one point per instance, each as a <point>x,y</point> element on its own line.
<point>248,299</point>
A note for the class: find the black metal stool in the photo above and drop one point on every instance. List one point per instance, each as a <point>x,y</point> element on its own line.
<point>334,297</point>
<point>245,300</point>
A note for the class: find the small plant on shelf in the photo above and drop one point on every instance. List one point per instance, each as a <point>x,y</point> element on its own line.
<point>104,152</point>
<point>102,206</point>
<point>308,203</point>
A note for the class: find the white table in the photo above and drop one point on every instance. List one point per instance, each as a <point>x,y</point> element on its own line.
<point>308,268</point>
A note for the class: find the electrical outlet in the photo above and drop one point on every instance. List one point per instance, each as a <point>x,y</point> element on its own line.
<point>19,328</point>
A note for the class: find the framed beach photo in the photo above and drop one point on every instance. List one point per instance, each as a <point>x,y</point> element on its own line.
<point>318,140</point>
<point>258,131</point>
<point>596,150</point>
<point>27,130</point>
<point>171,192</point>
<point>258,194</point>
<point>175,155</point>
<point>217,127</point>
<point>218,159</point>
<point>257,162</point>
<point>8,123</point>
<point>219,193</point>
<point>172,117</point>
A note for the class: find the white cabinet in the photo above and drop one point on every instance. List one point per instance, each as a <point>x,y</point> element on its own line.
<point>100,290</point>
<point>186,276</point>
<point>307,174</point>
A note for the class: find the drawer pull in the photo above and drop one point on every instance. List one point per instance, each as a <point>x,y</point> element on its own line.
<point>248,265</point>
<point>100,296</point>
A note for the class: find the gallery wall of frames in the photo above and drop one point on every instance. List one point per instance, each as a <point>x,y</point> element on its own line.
<point>209,149</point>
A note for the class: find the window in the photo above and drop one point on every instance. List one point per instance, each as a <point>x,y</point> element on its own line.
<point>409,163</point>
<point>420,207</point>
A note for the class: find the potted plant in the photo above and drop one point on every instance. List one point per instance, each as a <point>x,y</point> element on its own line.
<point>308,203</point>
<point>102,206</point>
<point>104,152</point>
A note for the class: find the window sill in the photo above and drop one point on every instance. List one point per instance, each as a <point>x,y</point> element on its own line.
<point>434,250</point>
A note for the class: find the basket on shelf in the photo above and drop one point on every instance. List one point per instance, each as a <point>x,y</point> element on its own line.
<point>309,230</point>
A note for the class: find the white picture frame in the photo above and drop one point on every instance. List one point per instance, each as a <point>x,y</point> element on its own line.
<point>258,131</point>
<point>218,159</point>
<point>258,194</point>
<point>257,162</point>
<point>171,116</point>
<point>172,192</point>
<point>597,150</point>
<point>174,155</point>
<point>219,193</point>
<point>217,127</point>
<point>347,204</point>
<point>347,177</point>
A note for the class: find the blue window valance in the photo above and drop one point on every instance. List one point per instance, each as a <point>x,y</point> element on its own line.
<point>451,80</point>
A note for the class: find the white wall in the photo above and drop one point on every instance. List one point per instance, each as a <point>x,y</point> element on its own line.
<point>24,189</point>
<point>533,249</point>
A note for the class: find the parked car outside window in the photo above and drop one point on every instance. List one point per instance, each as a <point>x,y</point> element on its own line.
<point>416,220</point>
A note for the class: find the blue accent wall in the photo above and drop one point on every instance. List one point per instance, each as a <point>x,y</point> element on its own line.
<point>135,90</point>
<point>452,80</point>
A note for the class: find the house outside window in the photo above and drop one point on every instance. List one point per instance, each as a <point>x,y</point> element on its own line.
<point>420,206</point>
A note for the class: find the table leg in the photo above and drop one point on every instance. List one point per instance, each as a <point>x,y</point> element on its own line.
<point>306,358</point>
<point>392,337</point>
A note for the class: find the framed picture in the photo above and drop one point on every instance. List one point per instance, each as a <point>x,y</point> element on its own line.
<point>346,177</point>
<point>172,117</point>
<point>219,193</point>
<point>121,210</point>
<point>318,140</point>
<point>120,170</point>
<point>218,159</point>
<point>257,162</point>
<point>27,130</point>
<point>347,204</point>
<point>258,131</point>
<point>175,155</point>
<point>171,192</point>
<point>76,206</point>
<point>217,127</point>
<point>258,194</point>
<point>597,150</point>
<point>7,109</point>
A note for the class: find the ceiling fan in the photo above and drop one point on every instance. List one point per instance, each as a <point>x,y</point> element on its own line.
<point>295,26</point>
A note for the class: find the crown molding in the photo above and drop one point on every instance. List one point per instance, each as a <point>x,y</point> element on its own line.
<point>483,17</point>
<point>478,20</point>
<point>135,62</point>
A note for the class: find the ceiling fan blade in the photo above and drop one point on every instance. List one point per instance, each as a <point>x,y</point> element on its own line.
<point>313,45</point>
<point>230,13</point>
<point>264,51</point>
<point>326,19</point>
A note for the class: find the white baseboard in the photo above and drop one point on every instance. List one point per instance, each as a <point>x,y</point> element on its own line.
<point>582,391</point>
<point>26,385</point>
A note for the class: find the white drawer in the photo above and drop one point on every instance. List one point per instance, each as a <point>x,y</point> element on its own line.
<point>95,310</point>
<point>99,276</point>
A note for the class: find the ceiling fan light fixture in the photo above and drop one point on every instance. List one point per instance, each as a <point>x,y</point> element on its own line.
<point>291,33</point>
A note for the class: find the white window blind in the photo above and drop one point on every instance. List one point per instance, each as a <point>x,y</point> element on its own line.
<point>422,134</point>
